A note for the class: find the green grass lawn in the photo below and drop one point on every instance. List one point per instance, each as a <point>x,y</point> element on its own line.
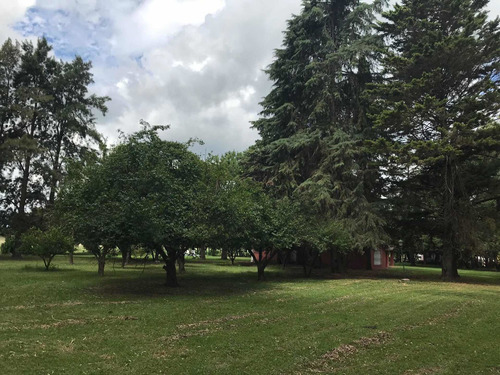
<point>222,321</point>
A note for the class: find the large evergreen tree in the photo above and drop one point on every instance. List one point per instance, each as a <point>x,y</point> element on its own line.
<point>438,114</point>
<point>46,119</point>
<point>314,124</point>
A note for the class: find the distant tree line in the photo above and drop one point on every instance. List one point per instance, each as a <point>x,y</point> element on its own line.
<point>375,133</point>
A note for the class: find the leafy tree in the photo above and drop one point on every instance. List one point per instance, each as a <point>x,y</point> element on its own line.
<point>228,195</point>
<point>271,226</point>
<point>46,119</point>
<point>437,113</point>
<point>46,244</point>
<point>144,192</point>
<point>318,235</point>
<point>90,208</point>
<point>314,124</point>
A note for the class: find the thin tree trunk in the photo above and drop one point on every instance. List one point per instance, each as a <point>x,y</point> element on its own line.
<point>46,262</point>
<point>101,261</point>
<point>335,261</point>
<point>125,250</point>
<point>71,257</point>
<point>203,253</point>
<point>286,258</point>
<point>311,266</point>
<point>261,264</point>
<point>55,171</point>
<point>181,262</point>
<point>368,255</point>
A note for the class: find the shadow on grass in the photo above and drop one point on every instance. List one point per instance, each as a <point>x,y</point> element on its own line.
<point>425,274</point>
<point>216,278</point>
<point>42,269</point>
<point>204,280</point>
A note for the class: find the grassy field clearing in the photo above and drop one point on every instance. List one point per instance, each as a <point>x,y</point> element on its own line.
<point>222,321</point>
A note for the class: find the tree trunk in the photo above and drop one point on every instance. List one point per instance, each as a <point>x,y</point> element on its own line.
<point>55,168</point>
<point>335,261</point>
<point>171,274</point>
<point>260,271</point>
<point>71,257</point>
<point>224,254</point>
<point>46,261</point>
<point>101,261</point>
<point>181,262</point>
<point>368,255</point>
<point>169,257</point>
<point>17,242</point>
<point>285,258</point>
<point>412,257</point>
<point>449,269</point>
<point>26,170</point>
<point>203,253</point>
<point>125,250</point>
<point>309,264</point>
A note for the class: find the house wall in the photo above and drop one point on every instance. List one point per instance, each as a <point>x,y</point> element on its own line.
<point>357,261</point>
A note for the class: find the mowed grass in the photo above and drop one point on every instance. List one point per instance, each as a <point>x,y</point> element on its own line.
<point>222,321</point>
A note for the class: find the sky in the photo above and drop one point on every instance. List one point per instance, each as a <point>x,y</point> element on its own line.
<point>196,65</point>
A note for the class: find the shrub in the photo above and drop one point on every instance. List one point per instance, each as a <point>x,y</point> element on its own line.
<point>46,244</point>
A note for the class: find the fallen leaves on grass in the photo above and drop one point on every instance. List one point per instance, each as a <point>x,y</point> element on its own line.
<point>422,371</point>
<point>215,321</point>
<point>66,322</point>
<point>65,304</point>
<point>343,351</point>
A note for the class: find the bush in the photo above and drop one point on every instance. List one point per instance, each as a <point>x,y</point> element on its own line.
<point>46,244</point>
<point>8,246</point>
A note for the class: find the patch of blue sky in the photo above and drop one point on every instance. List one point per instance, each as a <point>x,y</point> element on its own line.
<point>68,34</point>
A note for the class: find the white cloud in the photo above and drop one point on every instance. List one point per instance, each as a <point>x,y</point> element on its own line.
<point>10,13</point>
<point>195,64</point>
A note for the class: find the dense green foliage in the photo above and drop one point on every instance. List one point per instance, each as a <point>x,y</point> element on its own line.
<point>314,123</point>
<point>437,112</point>
<point>46,244</point>
<point>46,119</point>
<point>384,130</point>
<point>374,135</point>
<point>143,192</point>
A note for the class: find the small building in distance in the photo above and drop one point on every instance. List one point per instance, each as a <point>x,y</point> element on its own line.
<point>381,258</point>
